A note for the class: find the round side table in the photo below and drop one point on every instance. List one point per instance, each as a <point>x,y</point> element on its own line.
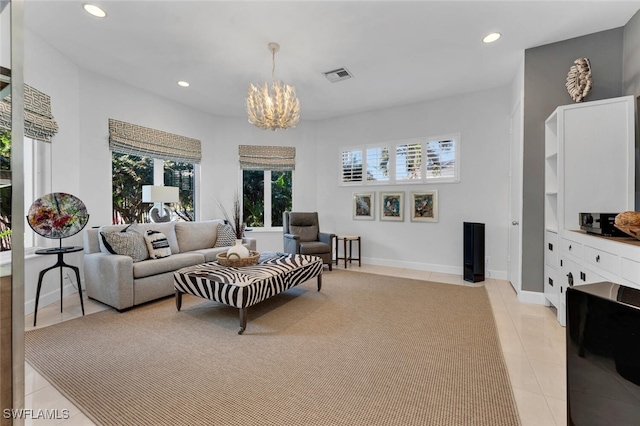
<point>60,251</point>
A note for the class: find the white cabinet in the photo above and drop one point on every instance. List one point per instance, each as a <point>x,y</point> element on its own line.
<point>589,167</point>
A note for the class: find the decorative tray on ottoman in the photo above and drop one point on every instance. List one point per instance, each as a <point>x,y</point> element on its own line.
<point>238,261</point>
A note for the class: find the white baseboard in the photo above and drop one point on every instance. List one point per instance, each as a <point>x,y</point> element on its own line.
<point>430,267</point>
<point>534,297</point>
<point>47,298</point>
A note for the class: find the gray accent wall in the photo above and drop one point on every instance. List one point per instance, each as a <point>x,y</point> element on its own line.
<point>545,72</point>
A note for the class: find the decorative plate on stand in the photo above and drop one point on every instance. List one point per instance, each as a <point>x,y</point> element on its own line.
<point>57,215</point>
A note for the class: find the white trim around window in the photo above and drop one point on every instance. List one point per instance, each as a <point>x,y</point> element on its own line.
<point>433,159</point>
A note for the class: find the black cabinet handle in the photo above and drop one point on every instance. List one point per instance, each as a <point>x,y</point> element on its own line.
<point>598,258</point>
<point>550,282</point>
<point>570,279</point>
<point>550,247</point>
<point>569,247</point>
<point>583,276</point>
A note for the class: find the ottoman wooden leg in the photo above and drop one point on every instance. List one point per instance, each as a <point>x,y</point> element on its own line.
<point>319,282</point>
<point>178,299</point>
<point>243,320</point>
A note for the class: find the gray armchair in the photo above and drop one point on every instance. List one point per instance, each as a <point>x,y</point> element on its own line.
<point>302,236</point>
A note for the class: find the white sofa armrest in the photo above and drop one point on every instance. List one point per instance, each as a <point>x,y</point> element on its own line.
<point>108,278</point>
<point>250,242</point>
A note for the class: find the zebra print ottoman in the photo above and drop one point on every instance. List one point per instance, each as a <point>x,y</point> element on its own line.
<point>245,286</point>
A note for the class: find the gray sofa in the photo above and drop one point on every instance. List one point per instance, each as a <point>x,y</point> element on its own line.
<point>118,281</point>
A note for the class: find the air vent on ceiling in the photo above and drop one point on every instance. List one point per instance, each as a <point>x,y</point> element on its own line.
<point>338,75</point>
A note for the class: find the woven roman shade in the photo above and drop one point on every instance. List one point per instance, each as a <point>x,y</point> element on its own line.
<point>38,121</point>
<point>258,157</point>
<point>127,138</point>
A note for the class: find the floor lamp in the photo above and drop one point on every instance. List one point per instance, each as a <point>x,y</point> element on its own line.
<point>159,195</point>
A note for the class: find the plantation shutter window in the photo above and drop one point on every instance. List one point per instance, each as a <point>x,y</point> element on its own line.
<point>441,159</point>
<point>352,165</point>
<point>127,138</point>
<point>38,120</point>
<point>378,164</point>
<point>260,157</point>
<point>409,161</point>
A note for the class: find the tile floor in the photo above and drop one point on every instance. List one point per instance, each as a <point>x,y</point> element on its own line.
<point>532,343</point>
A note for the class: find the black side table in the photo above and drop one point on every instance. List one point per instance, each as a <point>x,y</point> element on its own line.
<point>60,251</point>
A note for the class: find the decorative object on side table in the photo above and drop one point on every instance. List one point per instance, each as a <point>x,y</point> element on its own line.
<point>57,215</point>
<point>235,222</point>
<point>579,80</point>
<point>424,206</point>
<point>363,205</point>
<point>392,206</point>
<point>629,223</point>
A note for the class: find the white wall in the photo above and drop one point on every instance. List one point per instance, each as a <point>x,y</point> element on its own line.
<point>482,119</point>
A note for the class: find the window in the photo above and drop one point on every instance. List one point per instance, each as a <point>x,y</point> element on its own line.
<point>408,162</point>
<point>352,165</point>
<point>267,184</point>
<point>378,164</point>
<point>263,205</point>
<point>441,160</point>
<point>37,182</point>
<point>130,172</point>
<point>423,160</point>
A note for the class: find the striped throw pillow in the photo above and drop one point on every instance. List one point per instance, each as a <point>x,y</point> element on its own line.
<point>157,244</point>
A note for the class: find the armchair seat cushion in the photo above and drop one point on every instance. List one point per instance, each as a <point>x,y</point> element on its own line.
<point>314,247</point>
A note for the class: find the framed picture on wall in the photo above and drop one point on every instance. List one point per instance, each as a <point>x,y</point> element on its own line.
<point>392,206</point>
<point>363,205</point>
<point>424,206</point>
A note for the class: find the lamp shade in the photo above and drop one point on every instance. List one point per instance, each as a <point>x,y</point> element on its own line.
<point>160,194</point>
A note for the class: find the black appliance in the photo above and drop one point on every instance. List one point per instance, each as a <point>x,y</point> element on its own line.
<point>603,355</point>
<point>473,251</point>
<point>601,224</point>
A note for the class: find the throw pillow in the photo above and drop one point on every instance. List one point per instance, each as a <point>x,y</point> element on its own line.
<point>157,244</point>
<point>128,242</point>
<point>226,237</point>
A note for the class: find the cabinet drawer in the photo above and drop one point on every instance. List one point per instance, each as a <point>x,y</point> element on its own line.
<point>551,249</point>
<point>601,259</point>
<point>551,285</point>
<point>631,270</point>
<point>571,248</point>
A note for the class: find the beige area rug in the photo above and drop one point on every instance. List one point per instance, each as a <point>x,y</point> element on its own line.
<point>366,350</point>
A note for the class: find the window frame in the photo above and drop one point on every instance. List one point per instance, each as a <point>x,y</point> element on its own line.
<point>267,199</point>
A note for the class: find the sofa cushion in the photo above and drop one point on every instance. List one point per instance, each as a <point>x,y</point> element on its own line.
<point>127,242</point>
<point>306,233</point>
<point>168,229</point>
<point>157,244</point>
<point>196,235</point>
<point>166,264</point>
<point>226,237</point>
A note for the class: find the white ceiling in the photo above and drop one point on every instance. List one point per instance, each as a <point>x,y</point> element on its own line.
<point>400,52</point>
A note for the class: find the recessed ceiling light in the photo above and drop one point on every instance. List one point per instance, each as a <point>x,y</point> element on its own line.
<point>183,83</point>
<point>490,38</point>
<point>95,10</point>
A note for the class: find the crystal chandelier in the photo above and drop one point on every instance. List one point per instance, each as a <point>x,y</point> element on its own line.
<point>274,107</point>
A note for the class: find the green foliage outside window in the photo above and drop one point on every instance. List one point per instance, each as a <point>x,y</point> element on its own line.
<point>253,196</point>
<point>281,197</point>
<point>130,172</point>
<point>5,190</point>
